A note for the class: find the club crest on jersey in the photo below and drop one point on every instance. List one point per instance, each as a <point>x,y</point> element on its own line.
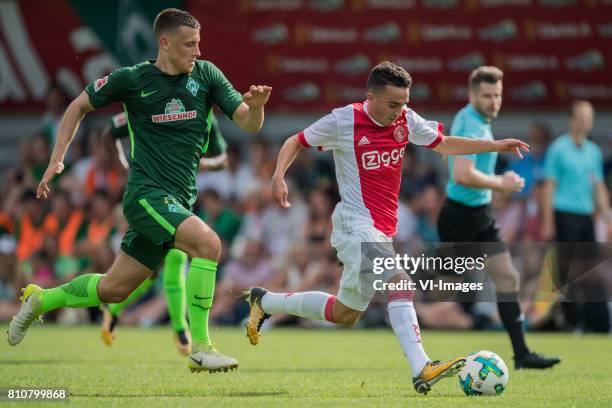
<point>172,204</point>
<point>399,134</point>
<point>175,110</point>
<point>99,84</point>
<point>192,86</point>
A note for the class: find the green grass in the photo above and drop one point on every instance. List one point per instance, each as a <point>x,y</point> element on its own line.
<point>294,368</point>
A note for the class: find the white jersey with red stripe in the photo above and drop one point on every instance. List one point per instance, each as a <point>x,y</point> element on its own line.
<point>368,158</point>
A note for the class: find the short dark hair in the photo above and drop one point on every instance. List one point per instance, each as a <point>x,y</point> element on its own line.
<point>488,74</point>
<point>581,103</point>
<point>171,19</point>
<point>388,73</point>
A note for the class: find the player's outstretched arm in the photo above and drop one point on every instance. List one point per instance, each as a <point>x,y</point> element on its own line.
<point>291,148</point>
<point>249,115</point>
<point>461,145</point>
<point>65,134</point>
<point>466,174</point>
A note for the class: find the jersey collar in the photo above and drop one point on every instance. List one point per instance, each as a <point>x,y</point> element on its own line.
<point>365,109</point>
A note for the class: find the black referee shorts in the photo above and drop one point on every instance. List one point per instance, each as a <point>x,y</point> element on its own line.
<point>575,235</point>
<point>574,227</point>
<point>461,223</point>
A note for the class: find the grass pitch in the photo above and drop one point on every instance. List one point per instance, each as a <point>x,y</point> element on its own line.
<point>294,368</point>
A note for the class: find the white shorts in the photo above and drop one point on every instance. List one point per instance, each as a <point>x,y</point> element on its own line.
<point>355,291</point>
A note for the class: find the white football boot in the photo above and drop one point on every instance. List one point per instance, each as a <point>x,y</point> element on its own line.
<point>207,358</point>
<point>29,311</point>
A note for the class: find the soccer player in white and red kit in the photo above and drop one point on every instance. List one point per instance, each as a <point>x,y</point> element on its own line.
<point>368,141</point>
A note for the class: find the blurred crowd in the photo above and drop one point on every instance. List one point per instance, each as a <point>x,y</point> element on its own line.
<point>79,228</point>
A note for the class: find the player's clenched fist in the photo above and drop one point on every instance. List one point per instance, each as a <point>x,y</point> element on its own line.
<point>52,170</point>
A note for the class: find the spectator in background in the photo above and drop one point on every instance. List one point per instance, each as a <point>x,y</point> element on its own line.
<point>55,104</point>
<point>531,168</point>
<point>429,207</point>
<point>224,181</point>
<point>317,230</point>
<point>40,266</point>
<point>509,214</point>
<point>251,267</point>
<point>417,173</point>
<point>306,267</point>
<point>105,171</point>
<point>277,228</point>
<point>257,171</point>
<point>120,228</point>
<point>29,227</point>
<point>9,280</point>
<point>311,171</point>
<point>98,227</point>
<point>40,155</point>
<point>282,227</point>
<point>532,215</point>
<point>62,225</point>
<point>34,152</point>
<point>222,219</point>
<point>79,167</point>
<point>407,222</point>
<point>573,193</point>
<point>63,222</point>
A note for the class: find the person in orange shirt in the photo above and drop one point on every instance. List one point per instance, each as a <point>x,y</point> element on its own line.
<point>98,226</point>
<point>29,229</point>
<point>63,222</point>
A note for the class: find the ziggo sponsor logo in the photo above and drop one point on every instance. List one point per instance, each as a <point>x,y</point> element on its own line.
<point>374,159</point>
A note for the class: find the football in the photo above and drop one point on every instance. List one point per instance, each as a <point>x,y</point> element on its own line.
<point>484,373</point>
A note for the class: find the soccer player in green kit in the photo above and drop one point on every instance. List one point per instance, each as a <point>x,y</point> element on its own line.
<point>168,103</point>
<point>175,261</point>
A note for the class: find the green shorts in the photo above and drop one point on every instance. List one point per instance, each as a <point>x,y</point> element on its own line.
<point>153,215</point>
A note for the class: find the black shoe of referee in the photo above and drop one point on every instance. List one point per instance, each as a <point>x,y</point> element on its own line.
<point>534,360</point>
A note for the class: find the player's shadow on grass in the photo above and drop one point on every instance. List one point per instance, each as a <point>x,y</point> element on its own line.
<point>255,394</point>
<point>310,370</point>
<point>36,362</point>
<point>175,395</point>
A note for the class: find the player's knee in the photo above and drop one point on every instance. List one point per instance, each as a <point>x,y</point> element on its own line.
<point>208,247</point>
<point>510,282</point>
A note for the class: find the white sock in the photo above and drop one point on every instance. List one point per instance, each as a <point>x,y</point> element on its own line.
<point>310,305</point>
<point>406,327</point>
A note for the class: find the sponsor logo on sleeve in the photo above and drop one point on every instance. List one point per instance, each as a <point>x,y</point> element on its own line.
<point>119,120</point>
<point>100,83</point>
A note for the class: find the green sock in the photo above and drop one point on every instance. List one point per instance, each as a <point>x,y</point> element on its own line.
<point>117,308</point>
<point>200,291</point>
<point>79,292</point>
<point>174,286</point>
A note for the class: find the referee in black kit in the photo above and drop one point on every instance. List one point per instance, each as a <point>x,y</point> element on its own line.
<point>466,215</point>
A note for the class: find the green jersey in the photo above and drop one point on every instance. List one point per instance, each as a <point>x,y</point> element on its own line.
<point>216,142</point>
<point>169,118</point>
